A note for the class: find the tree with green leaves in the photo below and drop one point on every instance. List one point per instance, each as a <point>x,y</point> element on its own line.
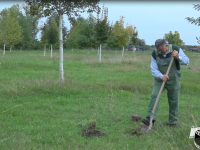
<point>53,34</point>
<point>29,25</point>
<point>120,34</point>
<point>44,36</point>
<point>141,42</point>
<point>130,31</point>
<point>68,7</point>
<point>14,31</point>
<point>169,37</point>
<point>102,30</point>
<point>134,39</point>
<point>64,28</point>
<point>91,22</point>
<point>196,21</point>
<point>112,42</point>
<point>74,33</point>
<point>10,31</point>
<point>85,37</point>
<point>83,33</point>
<point>3,28</point>
<point>174,38</point>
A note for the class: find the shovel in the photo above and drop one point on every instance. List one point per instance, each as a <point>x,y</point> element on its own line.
<point>156,102</point>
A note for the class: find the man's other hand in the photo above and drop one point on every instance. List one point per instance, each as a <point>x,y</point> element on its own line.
<point>165,78</point>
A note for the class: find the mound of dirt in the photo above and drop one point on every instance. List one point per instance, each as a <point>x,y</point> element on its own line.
<point>91,131</point>
<point>134,132</point>
<point>136,118</point>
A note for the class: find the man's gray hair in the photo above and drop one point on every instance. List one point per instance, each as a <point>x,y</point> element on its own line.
<point>160,42</point>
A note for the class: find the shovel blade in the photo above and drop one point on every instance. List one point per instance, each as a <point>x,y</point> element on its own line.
<point>146,129</point>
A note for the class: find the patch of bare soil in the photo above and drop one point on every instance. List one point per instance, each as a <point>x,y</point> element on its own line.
<point>91,131</point>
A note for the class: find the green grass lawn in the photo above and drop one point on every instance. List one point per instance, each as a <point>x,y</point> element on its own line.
<point>37,112</point>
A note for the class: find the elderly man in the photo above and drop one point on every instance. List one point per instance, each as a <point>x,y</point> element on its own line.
<point>159,63</point>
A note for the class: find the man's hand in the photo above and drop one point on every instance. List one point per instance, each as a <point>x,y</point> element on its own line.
<point>175,54</point>
<point>165,78</point>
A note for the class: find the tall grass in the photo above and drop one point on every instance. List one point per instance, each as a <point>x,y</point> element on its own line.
<point>37,112</point>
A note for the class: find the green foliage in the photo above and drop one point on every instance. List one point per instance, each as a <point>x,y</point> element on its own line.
<point>14,30</point>
<point>141,42</point>
<point>198,40</point>
<point>53,33</point>
<point>74,33</point>
<point>173,38</point>
<point>121,34</point>
<point>3,26</point>
<point>10,30</point>
<point>130,31</point>
<point>112,42</point>
<point>70,8</point>
<point>103,30</point>
<point>82,34</point>
<point>86,35</point>
<point>44,34</point>
<point>196,21</point>
<point>134,38</point>
<point>64,28</point>
<point>28,23</point>
<point>191,19</point>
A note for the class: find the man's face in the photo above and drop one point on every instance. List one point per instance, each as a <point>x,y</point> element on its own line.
<point>163,49</point>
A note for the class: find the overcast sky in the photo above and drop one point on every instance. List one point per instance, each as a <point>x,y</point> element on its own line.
<point>152,18</point>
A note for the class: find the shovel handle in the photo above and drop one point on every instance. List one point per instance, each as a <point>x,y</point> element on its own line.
<point>162,86</point>
<point>161,89</point>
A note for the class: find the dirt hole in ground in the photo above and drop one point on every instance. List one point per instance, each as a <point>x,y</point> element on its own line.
<point>91,131</point>
<point>94,132</point>
<point>135,132</point>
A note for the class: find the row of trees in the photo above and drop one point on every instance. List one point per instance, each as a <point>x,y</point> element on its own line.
<point>91,32</point>
<point>70,8</point>
<point>22,24</point>
<point>50,32</point>
<point>18,27</point>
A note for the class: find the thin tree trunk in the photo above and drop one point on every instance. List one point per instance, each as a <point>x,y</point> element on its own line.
<point>44,49</point>
<point>51,50</point>
<point>10,48</point>
<point>123,52</point>
<point>100,53</point>
<point>61,71</point>
<point>21,49</point>
<point>4,49</point>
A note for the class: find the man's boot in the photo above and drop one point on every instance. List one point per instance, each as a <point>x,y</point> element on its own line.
<point>147,121</point>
